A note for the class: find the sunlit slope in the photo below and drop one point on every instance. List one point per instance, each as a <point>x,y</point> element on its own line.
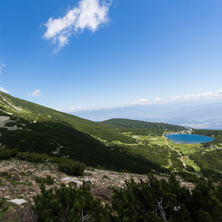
<point>32,112</point>
<point>30,127</point>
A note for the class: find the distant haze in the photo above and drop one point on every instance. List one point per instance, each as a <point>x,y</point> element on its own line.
<point>202,116</point>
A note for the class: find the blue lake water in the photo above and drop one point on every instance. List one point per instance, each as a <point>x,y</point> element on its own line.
<point>188,138</point>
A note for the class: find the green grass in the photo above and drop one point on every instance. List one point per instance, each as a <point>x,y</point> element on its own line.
<point>204,158</point>
<point>191,162</point>
<point>185,149</point>
<point>151,147</point>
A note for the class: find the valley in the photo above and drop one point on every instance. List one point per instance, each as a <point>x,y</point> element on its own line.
<point>116,144</point>
<point>42,147</point>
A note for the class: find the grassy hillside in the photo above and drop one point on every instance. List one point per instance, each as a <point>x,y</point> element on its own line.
<point>30,127</point>
<point>208,157</point>
<point>36,113</point>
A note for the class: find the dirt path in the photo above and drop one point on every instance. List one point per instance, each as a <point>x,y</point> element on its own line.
<point>171,147</point>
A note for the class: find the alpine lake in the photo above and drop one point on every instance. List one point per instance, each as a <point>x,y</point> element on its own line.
<point>181,138</point>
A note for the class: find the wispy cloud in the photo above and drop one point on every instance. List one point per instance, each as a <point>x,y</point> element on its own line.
<point>132,103</point>
<point>3,90</point>
<point>36,93</point>
<point>136,102</point>
<point>175,97</point>
<point>196,96</point>
<point>219,92</point>
<point>157,99</point>
<point>94,107</point>
<point>2,65</point>
<point>206,97</point>
<point>89,14</point>
<point>81,108</point>
<point>142,100</point>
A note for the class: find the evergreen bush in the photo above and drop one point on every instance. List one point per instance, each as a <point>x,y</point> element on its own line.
<point>71,167</point>
<point>160,200</point>
<point>188,177</point>
<point>69,204</point>
<point>3,207</point>
<point>6,154</point>
<point>5,174</point>
<point>47,180</point>
<point>32,157</point>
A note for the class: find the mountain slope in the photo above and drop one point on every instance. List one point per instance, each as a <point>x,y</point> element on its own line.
<point>127,123</point>
<point>30,127</point>
<point>188,113</point>
<point>36,113</point>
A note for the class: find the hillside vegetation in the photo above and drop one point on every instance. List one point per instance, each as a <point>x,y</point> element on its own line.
<point>41,147</point>
<point>50,195</point>
<point>186,159</point>
<point>127,123</point>
<point>36,113</point>
<point>116,144</point>
<point>210,161</point>
<point>30,127</point>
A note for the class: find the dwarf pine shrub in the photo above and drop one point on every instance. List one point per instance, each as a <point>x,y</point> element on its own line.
<point>32,157</point>
<point>69,204</point>
<point>71,167</point>
<point>6,153</point>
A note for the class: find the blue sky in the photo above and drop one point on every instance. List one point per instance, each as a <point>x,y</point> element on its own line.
<point>74,55</point>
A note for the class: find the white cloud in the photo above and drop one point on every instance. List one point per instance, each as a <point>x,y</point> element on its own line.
<point>175,98</point>
<point>2,65</point>
<point>3,90</point>
<point>35,93</point>
<point>206,97</point>
<point>196,96</point>
<point>89,14</point>
<point>157,99</point>
<point>219,92</point>
<point>209,96</point>
<point>142,100</point>
<point>81,108</point>
<point>94,107</point>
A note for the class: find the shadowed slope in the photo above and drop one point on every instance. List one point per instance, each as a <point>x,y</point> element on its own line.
<point>30,127</point>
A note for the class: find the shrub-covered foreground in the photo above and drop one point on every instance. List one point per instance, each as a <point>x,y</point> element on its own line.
<point>153,200</point>
<point>161,200</point>
<point>69,204</point>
